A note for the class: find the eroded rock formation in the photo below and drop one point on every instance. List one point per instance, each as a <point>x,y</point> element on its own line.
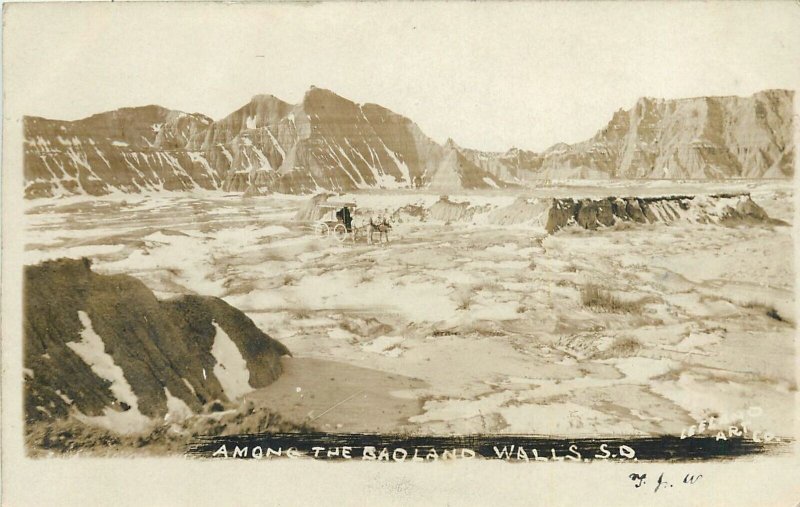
<point>327,142</point>
<point>104,347</point>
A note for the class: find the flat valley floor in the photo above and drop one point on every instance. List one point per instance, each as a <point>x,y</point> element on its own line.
<point>465,327</point>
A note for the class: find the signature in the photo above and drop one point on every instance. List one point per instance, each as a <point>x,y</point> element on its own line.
<point>640,480</point>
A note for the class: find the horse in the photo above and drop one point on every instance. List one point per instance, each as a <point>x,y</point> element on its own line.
<point>381,226</point>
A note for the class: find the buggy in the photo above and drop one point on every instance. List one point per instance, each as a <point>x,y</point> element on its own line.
<point>337,220</point>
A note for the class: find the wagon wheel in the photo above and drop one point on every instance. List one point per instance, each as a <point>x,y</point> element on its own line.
<point>340,232</point>
<point>322,229</point>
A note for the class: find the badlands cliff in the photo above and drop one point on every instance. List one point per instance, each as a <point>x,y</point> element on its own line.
<point>695,138</point>
<point>327,142</point>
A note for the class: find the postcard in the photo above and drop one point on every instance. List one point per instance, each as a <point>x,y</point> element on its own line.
<point>400,253</point>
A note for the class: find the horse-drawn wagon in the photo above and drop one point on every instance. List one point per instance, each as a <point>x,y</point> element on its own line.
<point>336,221</point>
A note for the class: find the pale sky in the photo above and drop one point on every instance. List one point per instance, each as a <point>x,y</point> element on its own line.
<point>489,75</point>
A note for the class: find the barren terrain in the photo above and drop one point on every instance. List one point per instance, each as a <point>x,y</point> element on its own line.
<point>472,327</point>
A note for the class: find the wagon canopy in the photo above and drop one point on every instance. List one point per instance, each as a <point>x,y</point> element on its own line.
<point>336,205</point>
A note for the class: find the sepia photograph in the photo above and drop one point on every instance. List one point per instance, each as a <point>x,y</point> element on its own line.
<point>402,232</point>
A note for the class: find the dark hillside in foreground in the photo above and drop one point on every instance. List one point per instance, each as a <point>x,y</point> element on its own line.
<point>105,347</point>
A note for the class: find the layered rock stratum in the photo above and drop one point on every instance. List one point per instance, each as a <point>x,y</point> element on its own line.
<point>327,142</point>
<point>696,138</point>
